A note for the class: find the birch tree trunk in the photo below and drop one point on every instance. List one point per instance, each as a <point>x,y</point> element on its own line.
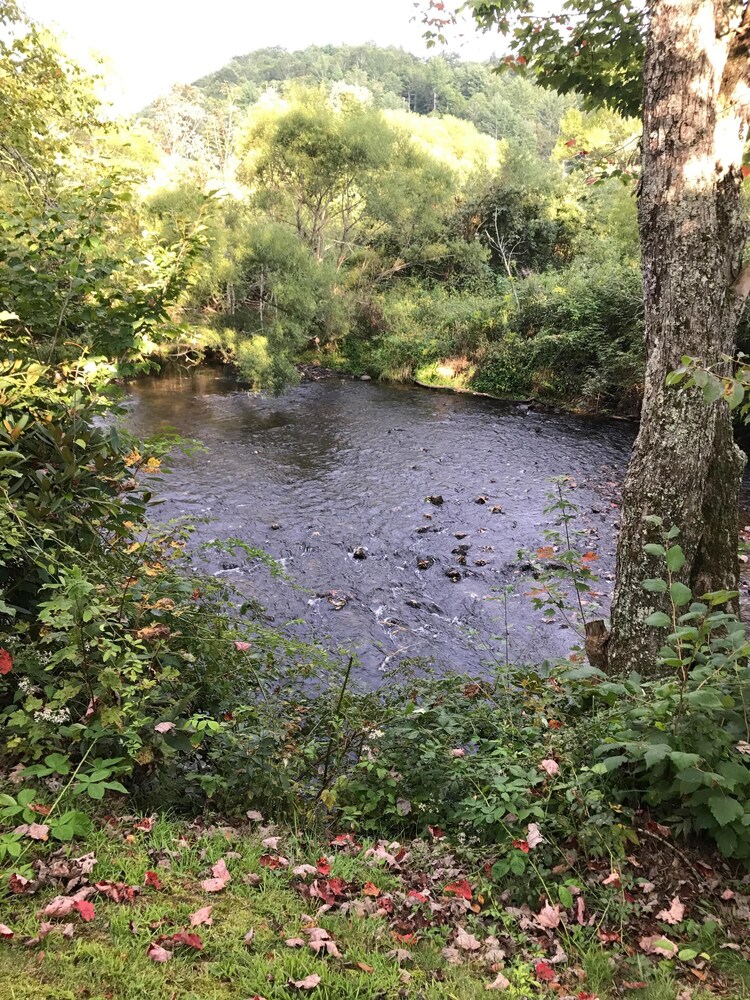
<point>685,466</point>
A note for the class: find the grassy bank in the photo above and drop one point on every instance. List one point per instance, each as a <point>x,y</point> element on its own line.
<point>336,917</point>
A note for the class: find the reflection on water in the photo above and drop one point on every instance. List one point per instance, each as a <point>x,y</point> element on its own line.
<point>334,465</point>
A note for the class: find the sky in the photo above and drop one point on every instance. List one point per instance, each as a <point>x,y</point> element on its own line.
<point>148,45</point>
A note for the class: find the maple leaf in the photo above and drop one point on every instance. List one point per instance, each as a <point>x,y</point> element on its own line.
<point>323,866</point>
<point>184,937</point>
<point>158,954</point>
<point>674,914</point>
<point>6,662</point>
<point>500,983</point>
<point>533,835</point>
<point>466,941</point>
<point>550,766</point>
<point>38,831</point>
<point>371,890</point>
<point>461,889</point>
<point>589,557</point>
<point>164,727</point>
<point>85,909</point>
<point>305,870</point>
<point>655,944</point>
<point>545,552</point>
<point>5,931</point>
<point>269,861</point>
<point>522,845</point>
<point>549,917</point>
<point>343,839</point>
<point>201,916</point>
<point>153,880</point>
<point>272,843</point>
<point>308,983</point>
<point>221,877</point>
<point>294,943</point>
<point>18,884</point>
<point>61,906</point>
<point>544,972</point>
<point>145,825</point>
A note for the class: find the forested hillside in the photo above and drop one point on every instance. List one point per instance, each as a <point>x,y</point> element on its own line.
<point>408,218</point>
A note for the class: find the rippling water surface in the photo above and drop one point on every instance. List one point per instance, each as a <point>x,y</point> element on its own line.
<point>335,465</point>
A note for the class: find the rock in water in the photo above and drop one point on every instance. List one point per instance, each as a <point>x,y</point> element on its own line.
<point>360,552</point>
<point>436,499</point>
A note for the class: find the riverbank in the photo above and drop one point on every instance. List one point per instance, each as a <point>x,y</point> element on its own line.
<point>148,907</point>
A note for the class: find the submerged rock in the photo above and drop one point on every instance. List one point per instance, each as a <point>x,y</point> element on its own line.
<point>437,499</point>
<point>360,552</point>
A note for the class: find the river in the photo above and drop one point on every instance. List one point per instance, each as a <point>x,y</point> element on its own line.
<point>338,465</point>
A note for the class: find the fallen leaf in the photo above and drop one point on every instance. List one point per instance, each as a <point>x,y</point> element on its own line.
<point>548,917</point>
<point>5,931</point>
<point>254,816</point>
<point>727,894</point>
<point>466,941</point>
<point>221,877</point>
<point>6,662</point>
<point>85,909</point>
<point>522,845</point>
<point>364,967</point>
<point>153,880</point>
<point>550,766</point>
<point>655,944</point>
<point>61,906</point>
<point>612,879</point>
<point>308,983</point>
<point>164,727</point>
<point>323,866</point>
<point>403,807</point>
<point>305,870</point>
<point>544,972</point>
<point>637,984</point>
<point>242,647</point>
<point>674,914</point>
<point>269,861</point>
<point>18,884</point>
<point>38,831</point>
<point>202,916</point>
<point>294,943</point>
<point>500,983</point>
<point>248,938</point>
<point>533,836</point>
<point>158,954</point>
<point>371,890</point>
<point>460,888</point>
<point>272,843</point>
<point>452,956</point>
<point>145,825</point>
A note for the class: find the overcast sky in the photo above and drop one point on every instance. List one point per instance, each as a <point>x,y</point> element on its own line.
<point>151,44</point>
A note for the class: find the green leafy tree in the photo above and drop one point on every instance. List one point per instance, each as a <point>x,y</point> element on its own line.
<point>684,66</point>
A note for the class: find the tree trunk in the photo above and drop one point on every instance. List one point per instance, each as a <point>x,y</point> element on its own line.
<point>685,466</point>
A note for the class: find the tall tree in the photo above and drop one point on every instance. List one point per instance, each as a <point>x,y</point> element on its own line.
<point>685,65</point>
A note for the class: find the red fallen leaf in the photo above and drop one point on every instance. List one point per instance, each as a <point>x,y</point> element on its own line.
<point>544,972</point>
<point>583,995</point>
<point>269,861</point>
<point>460,888</point>
<point>85,908</point>
<point>400,854</point>
<point>337,886</point>
<point>386,904</point>
<point>342,840</point>
<point>589,557</point>
<point>571,142</point>
<point>118,892</point>
<point>5,931</point>
<point>371,890</point>
<point>154,881</point>
<point>19,884</point>
<point>187,938</point>
<point>405,938</point>
<point>745,171</point>
<point>241,647</point>
<point>323,866</point>
<point>522,845</point>
<point>554,724</point>
<point>419,896</point>
<point>228,717</point>
<point>37,807</point>
<point>364,967</point>
<point>145,825</point>
<point>436,832</point>
<point>521,60</point>
<point>158,954</point>
<point>6,662</point>
<point>545,552</point>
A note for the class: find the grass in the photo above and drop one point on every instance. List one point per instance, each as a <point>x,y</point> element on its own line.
<point>106,959</point>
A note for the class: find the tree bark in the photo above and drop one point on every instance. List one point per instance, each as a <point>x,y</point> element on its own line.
<point>685,466</point>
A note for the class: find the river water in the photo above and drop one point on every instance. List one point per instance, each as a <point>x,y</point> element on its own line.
<point>336,465</point>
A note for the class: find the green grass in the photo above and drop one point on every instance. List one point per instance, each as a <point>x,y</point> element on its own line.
<point>107,958</point>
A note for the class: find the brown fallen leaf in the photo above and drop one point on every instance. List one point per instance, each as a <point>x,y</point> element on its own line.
<point>6,932</point>
<point>202,916</point>
<point>308,983</point>
<point>500,983</point>
<point>364,966</point>
<point>294,943</point>
<point>158,954</point>
<point>38,831</point>
<point>549,917</point>
<point>656,944</point>
<point>248,938</point>
<point>674,914</point>
<point>466,941</point>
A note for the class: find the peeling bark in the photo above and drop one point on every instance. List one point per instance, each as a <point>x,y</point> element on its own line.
<point>685,466</point>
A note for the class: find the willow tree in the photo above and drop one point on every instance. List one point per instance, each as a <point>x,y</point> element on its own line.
<point>684,65</point>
